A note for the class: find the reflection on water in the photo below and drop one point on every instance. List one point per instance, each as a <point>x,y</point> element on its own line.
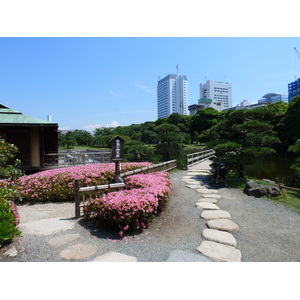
<point>271,168</point>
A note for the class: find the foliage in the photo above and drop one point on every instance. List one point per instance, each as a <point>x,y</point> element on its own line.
<point>58,184</point>
<point>240,138</point>
<point>9,217</point>
<point>133,208</point>
<point>8,164</point>
<point>170,140</point>
<point>296,166</point>
<point>291,122</point>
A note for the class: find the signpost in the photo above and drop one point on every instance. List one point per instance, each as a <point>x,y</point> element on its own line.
<point>117,155</point>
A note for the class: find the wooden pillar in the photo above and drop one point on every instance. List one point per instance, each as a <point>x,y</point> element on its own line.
<point>77,198</point>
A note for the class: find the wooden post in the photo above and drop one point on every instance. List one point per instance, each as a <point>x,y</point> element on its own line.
<point>77,198</point>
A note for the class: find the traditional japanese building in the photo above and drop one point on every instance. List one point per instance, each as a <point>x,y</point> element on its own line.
<point>33,137</point>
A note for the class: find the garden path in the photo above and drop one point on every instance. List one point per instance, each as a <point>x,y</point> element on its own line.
<point>197,225</point>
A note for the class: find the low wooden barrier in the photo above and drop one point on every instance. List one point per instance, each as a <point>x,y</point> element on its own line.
<point>165,166</point>
<point>197,157</point>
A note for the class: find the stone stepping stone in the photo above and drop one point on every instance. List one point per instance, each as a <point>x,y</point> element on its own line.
<point>12,252</point>
<point>78,251</point>
<point>46,226</point>
<point>215,214</point>
<point>222,224</point>
<point>219,252</point>
<point>207,205</point>
<point>210,200</point>
<point>193,186</point>
<point>63,239</point>
<point>218,236</point>
<point>207,191</point>
<point>114,257</point>
<point>211,196</point>
<point>186,256</point>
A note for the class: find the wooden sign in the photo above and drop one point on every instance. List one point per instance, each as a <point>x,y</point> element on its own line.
<point>117,150</point>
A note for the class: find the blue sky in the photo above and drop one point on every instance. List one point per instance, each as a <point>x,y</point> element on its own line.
<point>108,81</point>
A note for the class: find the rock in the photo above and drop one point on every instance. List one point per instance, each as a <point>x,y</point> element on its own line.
<point>78,251</point>
<point>269,181</point>
<point>210,200</point>
<point>114,257</point>
<point>215,214</point>
<point>218,236</point>
<point>263,190</point>
<point>47,226</point>
<point>220,252</point>
<point>186,256</point>
<point>63,239</point>
<point>222,224</point>
<point>250,184</point>
<point>12,252</point>
<point>211,196</point>
<point>207,191</point>
<point>207,205</point>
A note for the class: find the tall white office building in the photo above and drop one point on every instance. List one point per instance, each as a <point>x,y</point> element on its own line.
<point>172,95</point>
<point>217,91</point>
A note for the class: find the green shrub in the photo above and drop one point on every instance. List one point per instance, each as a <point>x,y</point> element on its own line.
<point>9,216</point>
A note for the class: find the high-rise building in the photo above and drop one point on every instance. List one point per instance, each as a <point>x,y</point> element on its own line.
<point>293,89</point>
<point>217,91</point>
<point>172,95</point>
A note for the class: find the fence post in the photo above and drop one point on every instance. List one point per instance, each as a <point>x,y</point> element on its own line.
<point>77,198</point>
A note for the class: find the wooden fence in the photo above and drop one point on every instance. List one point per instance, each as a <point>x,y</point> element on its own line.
<point>197,157</point>
<point>67,159</point>
<point>165,166</point>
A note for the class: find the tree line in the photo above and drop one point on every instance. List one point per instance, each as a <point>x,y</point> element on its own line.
<point>237,136</point>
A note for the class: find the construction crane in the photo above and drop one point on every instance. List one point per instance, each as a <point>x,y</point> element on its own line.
<point>297,52</point>
<point>295,61</point>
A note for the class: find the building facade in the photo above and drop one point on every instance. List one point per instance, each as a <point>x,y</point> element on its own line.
<point>172,95</point>
<point>33,137</point>
<point>217,91</point>
<point>205,103</point>
<point>272,98</point>
<point>293,89</point>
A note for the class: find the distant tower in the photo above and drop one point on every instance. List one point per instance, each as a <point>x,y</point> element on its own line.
<point>172,95</point>
<point>217,91</point>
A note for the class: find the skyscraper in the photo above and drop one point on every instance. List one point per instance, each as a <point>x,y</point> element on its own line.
<point>172,95</point>
<point>217,91</point>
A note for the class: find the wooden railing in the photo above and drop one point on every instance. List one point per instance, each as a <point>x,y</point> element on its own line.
<point>60,160</point>
<point>165,166</point>
<point>197,157</point>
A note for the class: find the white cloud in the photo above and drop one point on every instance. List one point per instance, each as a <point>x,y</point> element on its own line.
<point>91,127</point>
<point>113,124</point>
<point>143,87</point>
<point>117,95</point>
<point>64,128</point>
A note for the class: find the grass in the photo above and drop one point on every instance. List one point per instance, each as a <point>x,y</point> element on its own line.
<point>289,198</point>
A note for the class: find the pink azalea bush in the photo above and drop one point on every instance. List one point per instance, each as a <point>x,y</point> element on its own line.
<point>58,184</point>
<point>132,208</point>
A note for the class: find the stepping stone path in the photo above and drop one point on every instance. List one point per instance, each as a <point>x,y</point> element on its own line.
<point>219,244</point>
<point>207,205</point>
<point>217,214</point>
<point>115,257</point>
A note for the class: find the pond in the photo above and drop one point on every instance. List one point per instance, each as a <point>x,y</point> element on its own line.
<point>272,167</point>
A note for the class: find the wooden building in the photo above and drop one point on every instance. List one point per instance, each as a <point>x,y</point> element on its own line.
<point>33,137</point>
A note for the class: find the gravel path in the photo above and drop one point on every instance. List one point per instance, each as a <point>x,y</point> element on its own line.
<point>268,232</point>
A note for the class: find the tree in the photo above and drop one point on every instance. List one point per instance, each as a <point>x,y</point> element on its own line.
<point>241,138</point>
<point>291,122</point>
<point>9,165</point>
<point>170,140</point>
<point>138,149</point>
<point>203,120</point>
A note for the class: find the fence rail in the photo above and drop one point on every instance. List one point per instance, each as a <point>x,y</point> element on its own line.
<point>59,160</point>
<point>197,157</point>
<point>165,166</point>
